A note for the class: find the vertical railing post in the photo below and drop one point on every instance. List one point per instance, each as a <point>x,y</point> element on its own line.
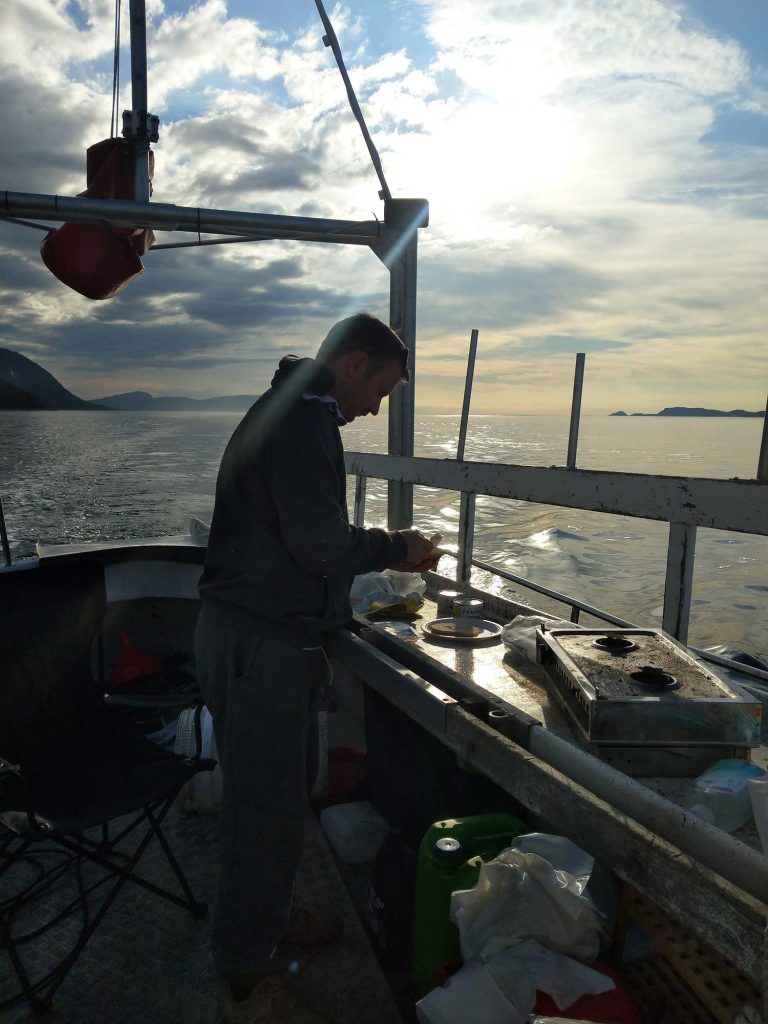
<point>4,536</point>
<point>466,538</point>
<point>467,396</point>
<point>360,486</point>
<point>468,499</point>
<point>678,585</point>
<point>402,318</point>
<point>573,436</point>
<point>762,460</point>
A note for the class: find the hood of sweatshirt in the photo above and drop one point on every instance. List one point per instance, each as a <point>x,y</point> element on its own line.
<point>303,375</point>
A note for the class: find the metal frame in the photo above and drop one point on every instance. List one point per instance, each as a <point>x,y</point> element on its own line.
<point>683,502</point>
<point>394,242</point>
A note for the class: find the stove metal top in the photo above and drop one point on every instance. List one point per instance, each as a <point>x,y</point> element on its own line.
<point>637,688</point>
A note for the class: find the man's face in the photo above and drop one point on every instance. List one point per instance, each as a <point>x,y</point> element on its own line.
<point>362,392</point>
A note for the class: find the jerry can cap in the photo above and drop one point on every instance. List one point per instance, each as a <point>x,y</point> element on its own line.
<point>448,850</point>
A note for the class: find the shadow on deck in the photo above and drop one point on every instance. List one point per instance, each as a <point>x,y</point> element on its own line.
<point>149,962</point>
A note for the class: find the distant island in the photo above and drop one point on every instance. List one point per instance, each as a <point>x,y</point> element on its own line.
<point>25,385</point>
<point>681,410</point>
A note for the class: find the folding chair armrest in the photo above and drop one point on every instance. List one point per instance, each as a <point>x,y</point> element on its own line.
<point>8,768</point>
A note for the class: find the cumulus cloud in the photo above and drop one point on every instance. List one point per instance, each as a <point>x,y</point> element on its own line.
<point>585,192</point>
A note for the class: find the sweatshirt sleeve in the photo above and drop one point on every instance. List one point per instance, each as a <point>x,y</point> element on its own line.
<point>306,488</point>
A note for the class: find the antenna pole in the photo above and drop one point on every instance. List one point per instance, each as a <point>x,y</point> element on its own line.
<point>330,40</point>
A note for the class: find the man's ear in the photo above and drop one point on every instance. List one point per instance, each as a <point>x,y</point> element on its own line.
<point>356,364</point>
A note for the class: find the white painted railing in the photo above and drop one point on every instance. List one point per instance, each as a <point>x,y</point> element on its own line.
<point>684,502</point>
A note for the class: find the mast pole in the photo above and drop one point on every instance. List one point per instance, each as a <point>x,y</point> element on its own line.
<point>137,128</point>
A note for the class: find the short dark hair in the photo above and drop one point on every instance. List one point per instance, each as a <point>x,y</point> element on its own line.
<point>365,333</point>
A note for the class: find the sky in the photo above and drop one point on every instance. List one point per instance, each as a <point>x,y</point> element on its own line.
<point>596,173</point>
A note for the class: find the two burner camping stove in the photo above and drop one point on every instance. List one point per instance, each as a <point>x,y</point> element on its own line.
<point>640,702</point>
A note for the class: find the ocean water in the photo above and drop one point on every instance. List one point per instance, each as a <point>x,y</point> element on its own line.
<point>80,476</point>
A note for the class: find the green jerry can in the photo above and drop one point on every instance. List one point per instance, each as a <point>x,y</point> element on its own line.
<point>450,857</point>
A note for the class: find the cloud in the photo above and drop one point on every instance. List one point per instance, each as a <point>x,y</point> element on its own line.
<point>595,175</point>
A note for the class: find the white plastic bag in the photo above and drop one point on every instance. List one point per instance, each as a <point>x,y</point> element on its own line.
<point>376,591</point>
<point>533,890</point>
<point>503,990</point>
<point>519,635</point>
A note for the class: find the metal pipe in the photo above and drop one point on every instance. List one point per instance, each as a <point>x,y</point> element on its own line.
<point>762,461</point>
<point>140,142</point>
<point>737,666</point>
<point>554,594</point>
<point>28,224</point>
<point>4,536</point>
<point>360,486</point>
<point>168,217</point>
<point>467,395</point>
<point>735,861</point>
<point>468,500</point>
<point>232,240</point>
<point>466,538</point>
<point>678,581</point>
<point>402,318</point>
<point>573,436</point>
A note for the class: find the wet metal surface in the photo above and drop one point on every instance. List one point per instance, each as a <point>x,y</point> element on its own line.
<point>616,674</point>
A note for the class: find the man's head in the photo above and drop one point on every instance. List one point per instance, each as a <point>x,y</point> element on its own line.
<point>368,361</point>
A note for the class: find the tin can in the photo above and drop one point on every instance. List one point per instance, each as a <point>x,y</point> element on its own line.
<point>467,608</point>
<point>445,599</point>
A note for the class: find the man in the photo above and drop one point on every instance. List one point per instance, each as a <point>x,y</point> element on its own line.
<point>281,558</point>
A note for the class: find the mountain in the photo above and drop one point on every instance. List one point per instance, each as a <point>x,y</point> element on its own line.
<point>142,400</point>
<point>128,400</point>
<point>26,385</point>
<point>14,398</point>
<point>681,410</point>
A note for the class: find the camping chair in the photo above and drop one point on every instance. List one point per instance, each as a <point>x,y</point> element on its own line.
<point>70,767</point>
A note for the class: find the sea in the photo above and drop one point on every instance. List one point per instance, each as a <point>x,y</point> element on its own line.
<point>86,476</point>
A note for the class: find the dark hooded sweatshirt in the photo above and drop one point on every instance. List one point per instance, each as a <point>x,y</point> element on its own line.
<point>281,546</point>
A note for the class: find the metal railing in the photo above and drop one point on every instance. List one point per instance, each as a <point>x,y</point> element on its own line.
<point>682,502</point>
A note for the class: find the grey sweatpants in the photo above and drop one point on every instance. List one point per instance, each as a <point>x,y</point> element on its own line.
<point>262,695</point>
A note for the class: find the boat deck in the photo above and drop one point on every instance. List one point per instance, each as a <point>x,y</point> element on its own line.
<point>149,961</point>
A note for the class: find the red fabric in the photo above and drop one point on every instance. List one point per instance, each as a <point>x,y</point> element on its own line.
<point>95,260</point>
<point>616,1006</point>
<point>346,771</point>
<point>133,663</point>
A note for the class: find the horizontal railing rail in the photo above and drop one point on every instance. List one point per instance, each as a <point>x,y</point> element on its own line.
<point>682,502</point>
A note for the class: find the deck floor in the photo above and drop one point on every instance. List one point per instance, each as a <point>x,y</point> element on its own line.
<point>149,960</point>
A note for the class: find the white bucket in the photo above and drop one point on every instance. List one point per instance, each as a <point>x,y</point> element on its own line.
<point>202,794</point>
<point>356,831</point>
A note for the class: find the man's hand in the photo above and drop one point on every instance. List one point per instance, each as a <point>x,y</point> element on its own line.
<point>420,556</point>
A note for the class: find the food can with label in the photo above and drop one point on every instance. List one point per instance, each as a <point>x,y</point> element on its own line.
<point>467,608</point>
<point>445,599</point>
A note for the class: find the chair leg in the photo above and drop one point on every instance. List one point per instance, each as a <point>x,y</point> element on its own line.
<point>36,1004</point>
<point>39,995</point>
<point>196,907</point>
<point>106,860</point>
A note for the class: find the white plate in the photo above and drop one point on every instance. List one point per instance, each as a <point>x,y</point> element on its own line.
<point>491,631</point>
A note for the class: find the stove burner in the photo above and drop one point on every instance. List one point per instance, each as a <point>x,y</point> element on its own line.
<point>648,675</point>
<point>614,644</point>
